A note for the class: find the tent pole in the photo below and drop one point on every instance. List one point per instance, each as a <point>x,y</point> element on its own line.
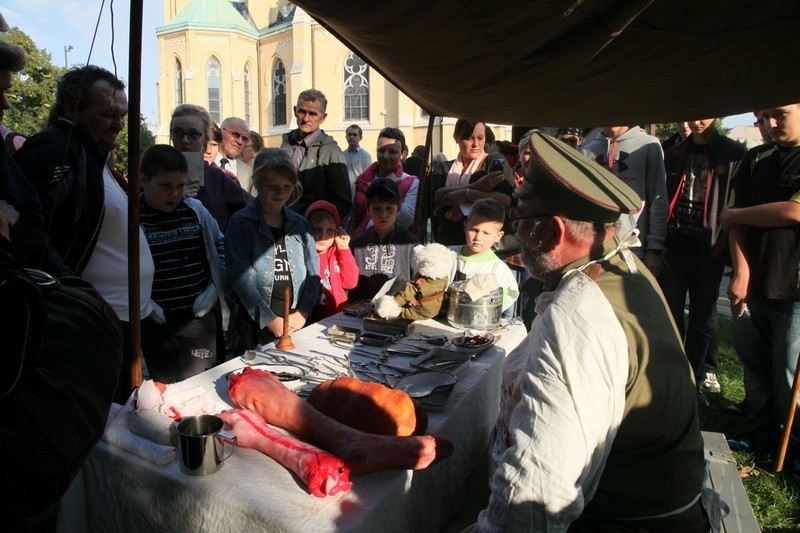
<point>134,144</point>
<point>424,196</point>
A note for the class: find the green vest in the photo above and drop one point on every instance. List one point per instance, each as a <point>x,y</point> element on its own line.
<point>656,461</point>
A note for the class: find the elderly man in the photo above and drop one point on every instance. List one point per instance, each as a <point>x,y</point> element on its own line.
<point>319,160</point>
<point>235,136</point>
<point>598,427</point>
<point>85,208</point>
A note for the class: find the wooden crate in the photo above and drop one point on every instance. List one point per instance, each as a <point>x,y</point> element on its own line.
<point>726,480</point>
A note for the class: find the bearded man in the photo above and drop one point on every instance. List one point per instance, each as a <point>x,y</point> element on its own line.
<point>598,427</point>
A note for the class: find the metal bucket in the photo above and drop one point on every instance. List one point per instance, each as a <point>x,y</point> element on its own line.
<point>484,313</point>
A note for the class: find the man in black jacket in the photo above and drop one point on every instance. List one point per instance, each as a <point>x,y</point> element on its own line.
<point>698,185</point>
<point>85,208</point>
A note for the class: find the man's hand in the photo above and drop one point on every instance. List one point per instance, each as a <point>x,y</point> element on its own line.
<point>737,292</point>
<point>653,262</point>
<point>342,239</point>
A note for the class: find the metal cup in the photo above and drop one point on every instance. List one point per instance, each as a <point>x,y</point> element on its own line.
<point>201,444</point>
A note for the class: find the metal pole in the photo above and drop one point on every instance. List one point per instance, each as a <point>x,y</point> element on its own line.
<point>67,48</point>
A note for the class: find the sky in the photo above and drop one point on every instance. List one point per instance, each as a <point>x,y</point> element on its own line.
<point>54,25</point>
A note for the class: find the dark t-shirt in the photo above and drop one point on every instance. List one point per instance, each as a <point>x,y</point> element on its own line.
<point>283,276</point>
<point>771,173</point>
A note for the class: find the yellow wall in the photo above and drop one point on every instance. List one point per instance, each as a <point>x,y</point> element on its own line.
<point>313,58</point>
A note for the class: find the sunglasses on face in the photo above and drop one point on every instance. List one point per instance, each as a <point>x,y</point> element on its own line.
<point>178,134</point>
<point>238,136</point>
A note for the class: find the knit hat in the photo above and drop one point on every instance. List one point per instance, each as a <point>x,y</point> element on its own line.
<point>569,184</point>
<point>324,205</point>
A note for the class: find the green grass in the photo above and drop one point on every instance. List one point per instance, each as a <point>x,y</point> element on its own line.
<point>775,498</point>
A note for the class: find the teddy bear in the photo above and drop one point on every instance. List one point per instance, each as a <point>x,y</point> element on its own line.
<point>421,297</point>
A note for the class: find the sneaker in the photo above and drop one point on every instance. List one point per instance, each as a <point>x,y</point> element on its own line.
<point>741,443</point>
<point>710,383</point>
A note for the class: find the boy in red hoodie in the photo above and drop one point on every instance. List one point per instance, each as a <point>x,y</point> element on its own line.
<point>337,266</point>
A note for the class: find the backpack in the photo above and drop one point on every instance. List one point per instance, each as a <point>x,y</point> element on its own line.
<point>62,351</point>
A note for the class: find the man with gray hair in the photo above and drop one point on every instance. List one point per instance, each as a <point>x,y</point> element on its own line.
<point>320,163</point>
<point>600,378</point>
<point>235,136</point>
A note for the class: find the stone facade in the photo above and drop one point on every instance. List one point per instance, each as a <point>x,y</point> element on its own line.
<point>240,44</point>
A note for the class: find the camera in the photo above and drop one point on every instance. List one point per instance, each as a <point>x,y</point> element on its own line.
<point>497,165</point>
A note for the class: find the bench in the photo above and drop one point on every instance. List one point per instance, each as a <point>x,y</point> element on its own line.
<point>726,480</point>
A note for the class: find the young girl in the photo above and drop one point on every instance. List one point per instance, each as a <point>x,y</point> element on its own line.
<point>337,266</point>
<point>270,248</point>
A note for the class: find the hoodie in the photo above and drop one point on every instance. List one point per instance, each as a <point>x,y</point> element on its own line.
<point>337,268</point>
<point>636,158</point>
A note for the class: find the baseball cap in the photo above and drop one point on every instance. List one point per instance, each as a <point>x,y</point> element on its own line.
<point>383,187</point>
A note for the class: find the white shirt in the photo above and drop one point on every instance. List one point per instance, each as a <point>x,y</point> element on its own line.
<point>107,269</point>
<point>562,400</point>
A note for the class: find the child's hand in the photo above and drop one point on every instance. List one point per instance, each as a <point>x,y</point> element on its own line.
<point>342,239</point>
<point>192,189</point>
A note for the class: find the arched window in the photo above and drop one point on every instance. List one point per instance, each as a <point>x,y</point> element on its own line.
<point>247,115</point>
<point>356,88</point>
<point>213,81</point>
<point>278,94</point>
<point>178,82</point>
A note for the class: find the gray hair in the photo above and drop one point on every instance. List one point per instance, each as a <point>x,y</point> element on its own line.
<point>313,95</point>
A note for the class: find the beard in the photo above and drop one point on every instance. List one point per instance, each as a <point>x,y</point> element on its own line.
<point>540,264</point>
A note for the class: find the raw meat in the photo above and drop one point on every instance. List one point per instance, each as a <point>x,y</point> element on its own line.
<point>259,391</point>
<point>323,474</point>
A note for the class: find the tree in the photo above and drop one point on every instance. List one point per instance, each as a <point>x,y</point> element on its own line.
<point>33,92</point>
<point>146,140</point>
<point>666,130</point>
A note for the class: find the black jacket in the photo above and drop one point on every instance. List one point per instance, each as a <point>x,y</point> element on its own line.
<point>724,155</point>
<point>66,168</point>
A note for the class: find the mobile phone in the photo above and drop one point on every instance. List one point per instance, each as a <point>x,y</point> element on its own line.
<point>497,165</point>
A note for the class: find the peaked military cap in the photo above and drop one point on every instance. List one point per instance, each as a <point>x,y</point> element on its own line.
<point>569,184</point>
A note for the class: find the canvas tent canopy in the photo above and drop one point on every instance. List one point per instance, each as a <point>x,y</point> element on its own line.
<point>592,62</point>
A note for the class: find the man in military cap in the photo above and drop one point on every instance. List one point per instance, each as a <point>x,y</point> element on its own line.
<point>598,427</point>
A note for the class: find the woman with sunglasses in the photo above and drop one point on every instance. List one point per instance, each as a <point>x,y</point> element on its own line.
<point>189,131</point>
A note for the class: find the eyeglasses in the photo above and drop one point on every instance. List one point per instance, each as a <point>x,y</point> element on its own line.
<point>178,134</point>
<point>245,138</point>
<point>514,216</point>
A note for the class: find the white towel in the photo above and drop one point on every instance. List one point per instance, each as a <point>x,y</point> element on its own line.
<point>118,434</point>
